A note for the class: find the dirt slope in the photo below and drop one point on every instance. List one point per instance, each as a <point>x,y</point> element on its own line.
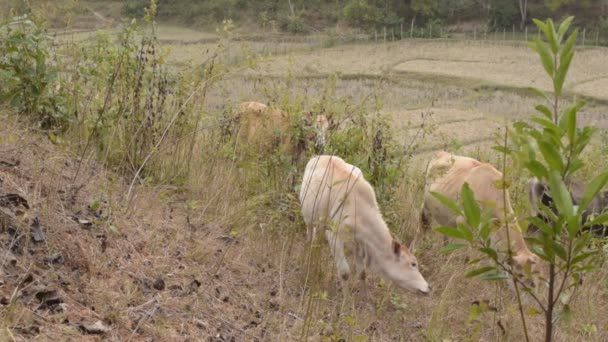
<point>90,269</point>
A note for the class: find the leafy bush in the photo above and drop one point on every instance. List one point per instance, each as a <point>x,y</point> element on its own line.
<point>293,23</point>
<point>28,79</point>
<point>503,14</point>
<point>359,13</point>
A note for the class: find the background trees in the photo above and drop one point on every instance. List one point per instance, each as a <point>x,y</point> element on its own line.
<point>367,14</point>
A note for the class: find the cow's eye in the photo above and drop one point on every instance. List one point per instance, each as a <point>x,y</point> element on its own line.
<point>413,264</point>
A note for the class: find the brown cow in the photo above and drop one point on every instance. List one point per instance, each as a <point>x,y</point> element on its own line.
<point>338,200</point>
<point>446,175</point>
<point>266,128</point>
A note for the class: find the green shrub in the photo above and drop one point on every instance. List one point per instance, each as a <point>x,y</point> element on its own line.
<point>28,78</point>
<point>359,13</point>
<point>293,23</point>
<point>503,14</point>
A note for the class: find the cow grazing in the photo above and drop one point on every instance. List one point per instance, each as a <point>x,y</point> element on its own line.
<point>336,199</point>
<point>538,192</point>
<point>266,128</point>
<point>446,175</point>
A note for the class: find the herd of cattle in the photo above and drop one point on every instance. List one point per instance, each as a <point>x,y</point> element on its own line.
<point>336,199</point>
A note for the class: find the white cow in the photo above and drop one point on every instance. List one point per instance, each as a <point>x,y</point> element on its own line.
<point>338,200</point>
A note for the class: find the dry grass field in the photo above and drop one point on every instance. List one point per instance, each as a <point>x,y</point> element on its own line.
<point>235,263</point>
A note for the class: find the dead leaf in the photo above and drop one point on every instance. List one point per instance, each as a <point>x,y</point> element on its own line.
<point>48,299</point>
<point>97,328</point>
<point>56,258</point>
<point>14,200</point>
<point>37,234</point>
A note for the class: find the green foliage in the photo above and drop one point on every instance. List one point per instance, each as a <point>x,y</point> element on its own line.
<point>293,23</point>
<point>359,13</point>
<point>549,148</point>
<point>28,78</point>
<point>425,8</point>
<point>503,14</point>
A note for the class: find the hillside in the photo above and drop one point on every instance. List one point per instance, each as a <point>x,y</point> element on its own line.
<point>77,262</point>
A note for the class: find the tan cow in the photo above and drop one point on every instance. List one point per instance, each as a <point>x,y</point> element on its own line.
<point>264,128</point>
<point>336,199</point>
<point>447,173</point>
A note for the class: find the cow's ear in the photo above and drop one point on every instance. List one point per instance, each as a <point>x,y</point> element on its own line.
<point>396,248</point>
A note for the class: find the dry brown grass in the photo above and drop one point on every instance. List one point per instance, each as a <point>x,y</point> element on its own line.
<point>503,64</point>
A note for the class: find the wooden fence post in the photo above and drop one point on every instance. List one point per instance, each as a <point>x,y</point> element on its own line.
<point>392,34</point>
<point>584,35</point>
<point>375,35</point>
<point>504,33</point>
<point>513,32</point>
<point>385,34</point>
<point>475,33</point>
<point>402,30</point>
<point>597,37</point>
<point>412,29</point>
<point>526,33</point>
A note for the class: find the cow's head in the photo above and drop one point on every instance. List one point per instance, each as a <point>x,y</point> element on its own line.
<point>317,126</point>
<point>538,193</point>
<point>402,268</point>
<point>525,268</point>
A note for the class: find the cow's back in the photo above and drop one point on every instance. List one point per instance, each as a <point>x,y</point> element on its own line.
<point>448,173</point>
<point>263,126</point>
<point>328,188</point>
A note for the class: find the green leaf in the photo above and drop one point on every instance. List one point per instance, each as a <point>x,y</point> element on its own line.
<point>541,25</point>
<point>567,122</point>
<point>537,169</point>
<point>452,247</point>
<point>539,93</point>
<point>451,232</point>
<point>564,25</point>
<point>466,232</point>
<point>547,124</point>
<point>490,252</point>
<point>447,202</point>
<point>568,45</point>
<point>598,220</point>
<point>541,225</point>
<point>593,188</point>
<point>502,149</point>
<point>545,56</point>
<point>561,196</point>
<point>582,257</point>
<point>560,74</point>
<point>470,205</point>
<point>558,249</point>
<point>479,271</point>
<point>575,165</point>
<point>551,36</point>
<point>545,111</point>
<point>494,276</point>
<point>552,156</point>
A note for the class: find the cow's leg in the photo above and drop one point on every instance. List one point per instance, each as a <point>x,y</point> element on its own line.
<point>362,262</point>
<point>337,250</point>
<point>425,219</point>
